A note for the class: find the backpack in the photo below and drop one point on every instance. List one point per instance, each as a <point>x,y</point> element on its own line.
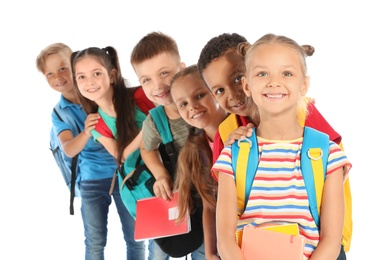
<point>314,158</point>
<point>68,166</point>
<point>180,245</point>
<point>231,123</point>
<point>138,184</point>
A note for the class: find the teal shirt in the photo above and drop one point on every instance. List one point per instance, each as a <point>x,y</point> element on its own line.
<point>130,161</point>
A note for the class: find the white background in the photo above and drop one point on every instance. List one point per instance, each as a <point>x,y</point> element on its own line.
<point>349,73</point>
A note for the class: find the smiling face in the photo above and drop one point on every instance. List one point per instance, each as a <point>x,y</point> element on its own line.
<point>57,71</point>
<point>155,75</point>
<point>194,101</point>
<point>275,79</point>
<point>223,77</point>
<point>93,79</point>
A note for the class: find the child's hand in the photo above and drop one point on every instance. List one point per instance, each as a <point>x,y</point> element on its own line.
<point>90,123</point>
<point>163,187</point>
<point>242,131</point>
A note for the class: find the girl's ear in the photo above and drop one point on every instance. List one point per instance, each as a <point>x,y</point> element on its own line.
<point>112,76</point>
<point>305,86</point>
<point>245,86</point>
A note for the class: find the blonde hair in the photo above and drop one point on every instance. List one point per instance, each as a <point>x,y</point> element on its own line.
<point>302,51</point>
<point>55,48</point>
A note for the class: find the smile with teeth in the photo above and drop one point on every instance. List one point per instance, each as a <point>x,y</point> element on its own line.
<point>198,115</point>
<point>237,105</point>
<point>275,95</point>
<point>162,94</point>
<point>92,90</point>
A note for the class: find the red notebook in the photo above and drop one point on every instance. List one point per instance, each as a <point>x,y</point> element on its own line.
<point>156,218</point>
<point>258,243</point>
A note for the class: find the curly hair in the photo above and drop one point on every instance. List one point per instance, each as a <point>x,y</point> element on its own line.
<point>217,47</point>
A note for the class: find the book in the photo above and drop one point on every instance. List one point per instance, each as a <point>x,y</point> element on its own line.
<point>261,243</point>
<point>291,228</point>
<point>156,218</point>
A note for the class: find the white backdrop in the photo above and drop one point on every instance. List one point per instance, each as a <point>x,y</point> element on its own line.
<point>348,80</point>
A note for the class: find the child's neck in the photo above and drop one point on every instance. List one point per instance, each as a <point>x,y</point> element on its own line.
<point>172,111</point>
<point>107,107</point>
<point>212,128</point>
<point>72,97</point>
<point>279,129</point>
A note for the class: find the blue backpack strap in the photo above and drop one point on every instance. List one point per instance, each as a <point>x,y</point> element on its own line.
<point>313,139</point>
<point>245,174</point>
<point>64,116</point>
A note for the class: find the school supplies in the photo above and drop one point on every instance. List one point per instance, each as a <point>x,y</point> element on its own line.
<point>261,243</point>
<point>68,166</point>
<point>138,185</point>
<point>179,245</point>
<point>157,217</point>
<point>348,223</point>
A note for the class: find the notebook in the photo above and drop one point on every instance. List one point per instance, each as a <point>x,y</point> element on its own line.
<point>156,218</point>
<point>291,228</point>
<point>260,243</point>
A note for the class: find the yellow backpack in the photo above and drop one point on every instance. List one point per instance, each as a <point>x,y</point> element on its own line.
<point>231,123</point>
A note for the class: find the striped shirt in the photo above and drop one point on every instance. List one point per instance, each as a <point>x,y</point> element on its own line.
<point>278,192</point>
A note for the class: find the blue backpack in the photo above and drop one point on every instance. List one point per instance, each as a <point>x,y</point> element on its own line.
<point>314,159</point>
<point>68,166</point>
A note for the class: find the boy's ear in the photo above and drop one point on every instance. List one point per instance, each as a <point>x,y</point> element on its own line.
<point>305,86</point>
<point>245,86</point>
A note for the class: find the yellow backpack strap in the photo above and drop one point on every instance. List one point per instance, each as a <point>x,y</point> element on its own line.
<point>315,154</point>
<point>242,162</point>
<point>227,127</point>
<point>245,158</point>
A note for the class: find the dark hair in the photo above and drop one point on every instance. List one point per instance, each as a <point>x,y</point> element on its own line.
<point>123,97</point>
<point>151,45</point>
<point>217,47</point>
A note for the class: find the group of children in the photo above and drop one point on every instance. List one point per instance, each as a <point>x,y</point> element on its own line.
<point>261,85</point>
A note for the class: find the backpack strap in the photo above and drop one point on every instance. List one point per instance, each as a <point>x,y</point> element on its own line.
<point>245,158</point>
<point>69,119</point>
<point>314,159</point>
<point>227,126</point>
<point>162,124</point>
<point>142,101</point>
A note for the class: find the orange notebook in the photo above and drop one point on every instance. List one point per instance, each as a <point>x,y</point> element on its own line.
<point>156,218</point>
<point>260,243</point>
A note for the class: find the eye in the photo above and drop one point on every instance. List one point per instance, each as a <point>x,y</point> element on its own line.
<point>62,69</point>
<point>237,80</point>
<point>164,73</point>
<point>200,95</point>
<point>183,104</point>
<point>144,81</point>
<point>287,74</point>
<point>81,77</point>
<point>97,74</point>
<point>262,74</point>
<point>219,91</point>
